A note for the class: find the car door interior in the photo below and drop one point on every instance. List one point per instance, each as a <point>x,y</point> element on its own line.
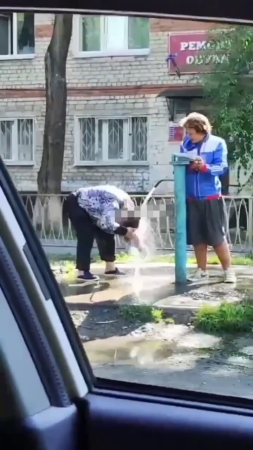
<point>49,397</point>
<point>35,397</point>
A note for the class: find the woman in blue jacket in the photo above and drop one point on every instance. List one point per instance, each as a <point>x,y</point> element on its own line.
<point>205,212</point>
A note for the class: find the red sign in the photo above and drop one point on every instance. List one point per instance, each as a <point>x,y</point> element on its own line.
<point>194,52</point>
<point>176,133</point>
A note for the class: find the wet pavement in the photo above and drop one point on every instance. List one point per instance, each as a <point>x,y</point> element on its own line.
<point>155,286</point>
<point>158,354</point>
<point>178,358</point>
<point>225,374</point>
<point>174,356</point>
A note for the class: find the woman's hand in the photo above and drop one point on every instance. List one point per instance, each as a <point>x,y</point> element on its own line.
<point>198,164</point>
<point>130,235</point>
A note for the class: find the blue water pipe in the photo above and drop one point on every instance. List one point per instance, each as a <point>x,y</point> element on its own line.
<point>179,161</point>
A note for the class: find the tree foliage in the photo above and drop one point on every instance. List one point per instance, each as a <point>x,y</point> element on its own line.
<point>229,89</point>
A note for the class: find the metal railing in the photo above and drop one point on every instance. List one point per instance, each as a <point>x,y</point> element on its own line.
<point>48,214</point>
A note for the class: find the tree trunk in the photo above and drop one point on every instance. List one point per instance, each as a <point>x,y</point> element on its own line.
<point>50,173</point>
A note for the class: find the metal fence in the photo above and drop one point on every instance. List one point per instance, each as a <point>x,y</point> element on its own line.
<point>48,214</point>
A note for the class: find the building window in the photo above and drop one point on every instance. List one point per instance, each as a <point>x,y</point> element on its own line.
<point>17,37</point>
<point>112,140</point>
<point>112,35</point>
<point>17,140</point>
<point>181,109</point>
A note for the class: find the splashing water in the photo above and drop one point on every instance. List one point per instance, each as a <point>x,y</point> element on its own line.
<point>147,247</point>
<point>148,198</point>
<point>146,239</point>
<point>145,235</point>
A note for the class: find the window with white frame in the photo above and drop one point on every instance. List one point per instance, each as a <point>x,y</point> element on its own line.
<point>112,35</point>
<point>17,35</point>
<point>112,140</point>
<point>17,140</point>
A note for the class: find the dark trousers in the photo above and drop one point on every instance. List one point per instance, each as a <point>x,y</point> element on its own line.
<point>86,232</point>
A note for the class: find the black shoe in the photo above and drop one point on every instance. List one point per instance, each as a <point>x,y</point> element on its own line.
<point>87,276</point>
<point>115,273</point>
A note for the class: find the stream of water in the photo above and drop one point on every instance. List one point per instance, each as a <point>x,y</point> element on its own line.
<point>147,247</point>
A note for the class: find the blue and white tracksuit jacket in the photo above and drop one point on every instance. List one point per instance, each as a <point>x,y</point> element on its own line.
<point>205,184</point>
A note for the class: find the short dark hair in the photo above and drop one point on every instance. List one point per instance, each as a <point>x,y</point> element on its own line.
<point>130,222</point>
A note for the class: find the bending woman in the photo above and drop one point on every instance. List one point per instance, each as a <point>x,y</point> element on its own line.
<point>99,213</point>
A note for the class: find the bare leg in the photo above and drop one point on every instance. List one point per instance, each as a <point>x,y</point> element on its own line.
<point>109,266</point>
<point>223,253</point>
<point>201,256</point>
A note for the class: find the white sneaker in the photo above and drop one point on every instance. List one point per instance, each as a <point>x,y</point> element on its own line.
<point>198,275</point>
<point>229,276</point>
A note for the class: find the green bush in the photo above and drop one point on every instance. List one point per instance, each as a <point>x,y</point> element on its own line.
<point>143,313</point>
<point>227,317</point>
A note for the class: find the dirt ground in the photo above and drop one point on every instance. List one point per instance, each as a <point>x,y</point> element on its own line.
<point>103,323</point>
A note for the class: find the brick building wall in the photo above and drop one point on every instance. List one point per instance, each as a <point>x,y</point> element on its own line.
<point>125,86</point>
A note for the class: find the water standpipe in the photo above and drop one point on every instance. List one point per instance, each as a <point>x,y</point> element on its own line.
<point>180,161</point>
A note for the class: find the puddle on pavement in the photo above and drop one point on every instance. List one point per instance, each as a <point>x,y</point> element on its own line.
<point>72,288</point>
<point>141,352</point>
<point>148,351</point>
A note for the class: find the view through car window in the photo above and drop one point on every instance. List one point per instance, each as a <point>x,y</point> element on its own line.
<point>129,140</point>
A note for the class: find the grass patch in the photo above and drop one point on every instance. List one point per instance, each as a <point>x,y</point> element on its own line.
<point>57,260</point>
<point>210,260</point>
<point>122,258</point>
<point>67,262</point>
<point>144,314</point>
<point>65,266</point>
<point>170,259</point>
<point>242,261</point>
<point>227,317</point>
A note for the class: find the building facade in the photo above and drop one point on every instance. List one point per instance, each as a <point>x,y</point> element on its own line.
<point>124,100</point>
